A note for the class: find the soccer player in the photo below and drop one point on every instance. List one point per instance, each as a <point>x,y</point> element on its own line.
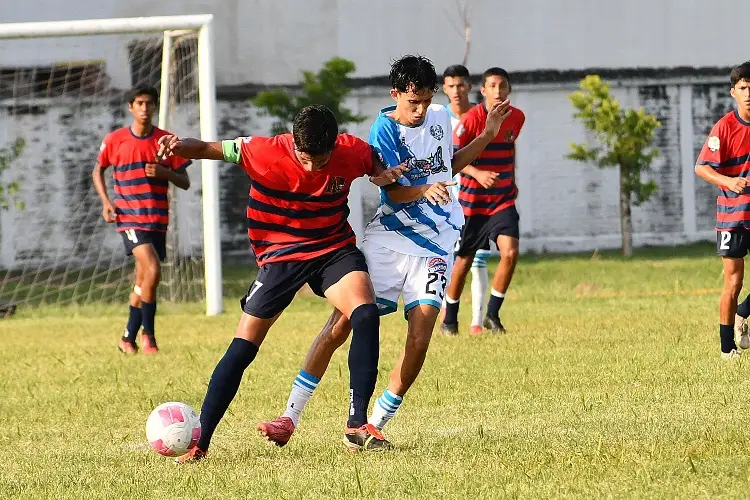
<point>725,162</point>
<point>297,225</point>
<point>457,86</point>
<point>488,197</point>
<point>141,208</point>
<point>408,246</point>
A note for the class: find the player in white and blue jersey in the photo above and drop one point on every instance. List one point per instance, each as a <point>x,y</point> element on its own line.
<point>456,86</point>
<point>408,246</point>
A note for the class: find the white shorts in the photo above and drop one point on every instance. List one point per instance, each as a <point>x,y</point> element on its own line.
<point>421,280</point>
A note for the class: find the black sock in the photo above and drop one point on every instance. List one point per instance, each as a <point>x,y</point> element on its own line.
<point>148,310</point>
<point>363,362</point>
<point>134,324</point>
<point>493,306</point>
<point>451,313</point>
<point>743,309</point>
<point>726,334</point>
<point>223,386</point>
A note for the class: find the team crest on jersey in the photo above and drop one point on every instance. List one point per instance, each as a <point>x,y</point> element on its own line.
<point>437,265</point>
<point>713,143</point>
<point>336,185</point>
<point>436,131</point>
<point>509,135</point>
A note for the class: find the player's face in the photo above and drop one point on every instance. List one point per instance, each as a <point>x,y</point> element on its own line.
<point>456,88</point>
<point>495,89</point>
<point>312,163</point>
<point>741,94</point>
<point>411,107</point>
<point>143,108</point>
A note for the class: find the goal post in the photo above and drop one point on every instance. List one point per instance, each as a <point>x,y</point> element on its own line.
<point>169,27</point>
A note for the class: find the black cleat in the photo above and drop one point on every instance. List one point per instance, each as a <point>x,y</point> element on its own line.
<point>494,325</point>
<point>449,328</point>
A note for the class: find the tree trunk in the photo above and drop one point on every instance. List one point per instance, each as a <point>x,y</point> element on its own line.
<point>626,219</point>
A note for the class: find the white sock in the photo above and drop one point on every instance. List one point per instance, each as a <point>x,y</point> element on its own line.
<point>302,389</point>
<point>497,294</point>
<point>480,281</point>
<point>384,409</point>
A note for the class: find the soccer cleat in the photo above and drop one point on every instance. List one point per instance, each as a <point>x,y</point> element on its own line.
<point>494,325</point>
<point>127,347</point>
<point>366,438</point>
<point>475,330</point>
<point>192,456</point>
<point>449,329</point>
<point>741,332</point>
<point>149,344</point>
<point>279,431</point>
<point>733,354</point>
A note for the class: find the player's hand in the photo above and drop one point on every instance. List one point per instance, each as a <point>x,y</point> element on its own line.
<point>496,116</point>
<point>390,175</point>
<point>737,184</point>
<point>168,144</point>
<point>438,193</point>
<point>156,170</point>
<point>485,178</point>
<point>108,212</point>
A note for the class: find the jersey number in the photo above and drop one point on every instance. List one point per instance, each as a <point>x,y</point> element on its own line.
<point>253,289</point>
<point>130,233</point>
<point>432,278</point>
<point>726,237</point>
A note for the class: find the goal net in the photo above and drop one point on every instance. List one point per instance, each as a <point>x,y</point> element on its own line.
<point>59,97</point>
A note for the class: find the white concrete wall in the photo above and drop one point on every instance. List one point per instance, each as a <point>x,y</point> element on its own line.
<point>270,42</point>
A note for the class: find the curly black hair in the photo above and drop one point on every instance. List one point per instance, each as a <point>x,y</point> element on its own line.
<point>413,73</point>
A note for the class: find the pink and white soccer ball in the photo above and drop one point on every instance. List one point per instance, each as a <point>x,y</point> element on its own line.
<point>173,428</point>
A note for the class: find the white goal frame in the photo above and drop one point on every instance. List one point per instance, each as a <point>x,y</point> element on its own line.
<point>170,26</point>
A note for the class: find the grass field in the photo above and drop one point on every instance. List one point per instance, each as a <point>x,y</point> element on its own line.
<point>609,385</point>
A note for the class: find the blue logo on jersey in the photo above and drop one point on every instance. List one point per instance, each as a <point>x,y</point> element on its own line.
<point>436,131</point>
<point>419,169</point>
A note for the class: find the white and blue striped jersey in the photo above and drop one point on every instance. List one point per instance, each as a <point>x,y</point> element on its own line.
<point>417,228</point>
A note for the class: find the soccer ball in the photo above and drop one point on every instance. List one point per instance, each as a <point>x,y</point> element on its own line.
<point>173,428</point>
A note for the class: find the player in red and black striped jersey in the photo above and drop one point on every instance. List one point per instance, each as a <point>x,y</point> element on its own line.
<point>141,207</point>
<point>487,193</point>
<point>725,162</point>
<point>298,229</point>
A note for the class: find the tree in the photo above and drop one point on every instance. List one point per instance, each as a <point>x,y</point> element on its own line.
<point>328,87</point>
<point>8,191</point>
<point>622,140</point>
<point>464,29</point>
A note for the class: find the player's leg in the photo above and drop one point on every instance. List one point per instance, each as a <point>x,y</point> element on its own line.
<point>265,300</point>
<point>128,343</point>
<point>424,288</point>
<point>732,247</point>
<point>147,259</point>
<point>473,237</point>
<point>504,231</point>
<point>741,330</point>
<point>480,283</point>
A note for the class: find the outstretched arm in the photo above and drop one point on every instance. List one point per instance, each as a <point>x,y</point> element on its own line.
<point>194,149</point>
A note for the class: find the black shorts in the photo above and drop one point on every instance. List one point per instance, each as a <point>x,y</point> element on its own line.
<point>734,243</point>
<point>479,230</point>
<point>278,282</point>
<point>133,238</point>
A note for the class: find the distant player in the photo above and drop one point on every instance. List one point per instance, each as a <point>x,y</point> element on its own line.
<point>457,86</point>
<point>297,218</point>
<point>141,208</point>
<point>408,246</point>
<point>725,162</point>
<point>488,196</point>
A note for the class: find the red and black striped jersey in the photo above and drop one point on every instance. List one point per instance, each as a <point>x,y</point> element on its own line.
<point>140,202</point>
<point>499,156</point>
<point>293,214</point>
<point>727,150</point>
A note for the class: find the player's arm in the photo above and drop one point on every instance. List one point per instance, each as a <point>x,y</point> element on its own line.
<point>189,148</point>
<point>707,173</point>
<point>464,156</point>
<point>387,178</point>
<point>108,211</point>
<point>711,157</point>
<point>178,178</point>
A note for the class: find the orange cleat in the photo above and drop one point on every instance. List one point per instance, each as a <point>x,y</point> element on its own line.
<point>279,431</point>
<point>149,344</point>
<point>192,456</point>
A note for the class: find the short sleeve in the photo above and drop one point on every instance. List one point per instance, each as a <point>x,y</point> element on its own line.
<point>247,153</point>
<point>713,152</point>
<point>465,131</point>
<point>104,152</point>
<point>178,164</point>
<point>519,124</point>
<point>384,137</point>
<point>363,152</point>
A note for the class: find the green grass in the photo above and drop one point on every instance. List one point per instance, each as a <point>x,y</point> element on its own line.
<point>609,385</point>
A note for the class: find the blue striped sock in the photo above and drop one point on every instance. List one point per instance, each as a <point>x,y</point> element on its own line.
<point>385,408</point>
<point>302,390</point>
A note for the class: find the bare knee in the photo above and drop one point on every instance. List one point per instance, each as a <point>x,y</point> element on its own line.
<point>336,330</point>
<point>733,285</point>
